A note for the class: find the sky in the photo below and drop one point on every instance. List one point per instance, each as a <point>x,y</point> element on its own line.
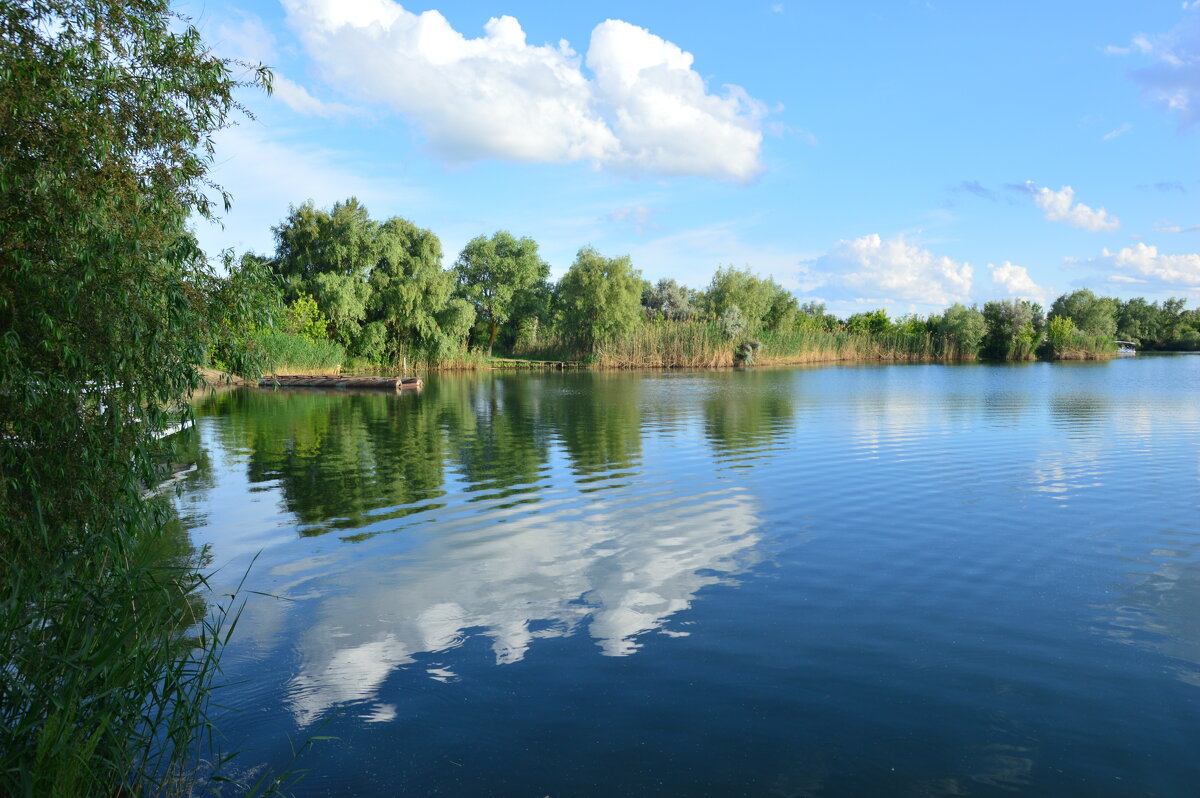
<point>901,154</point>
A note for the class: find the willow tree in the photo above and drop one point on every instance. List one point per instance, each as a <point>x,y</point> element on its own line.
<point>599,298</point>
<point>412,297</point>
<point>329,255</point>
<point>107,308</point>
<point>492,274</point>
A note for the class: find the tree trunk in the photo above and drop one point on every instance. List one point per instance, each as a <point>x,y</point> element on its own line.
<point>492,337</point>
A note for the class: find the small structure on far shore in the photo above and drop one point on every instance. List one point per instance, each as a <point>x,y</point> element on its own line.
<point>340,381</point>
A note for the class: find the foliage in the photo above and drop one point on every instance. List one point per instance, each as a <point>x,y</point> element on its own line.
<point>875,322</point>
<point>305,319</point>
<point>381,285</point>
<point>962,331</point>
<point>1091,314</point>
<point>814,316</point>
<point>599,298</point>
<point>1065,341</point>
<point>107,308</point>
<point>670,300</point>
<point>764,303</point>
<point>733,322</point>
<point>329,254</point>
<point>1012,329</point>
<point>747,352</point>
<point>413,295</point>
<point>493,272</point>
<point>697,344</point>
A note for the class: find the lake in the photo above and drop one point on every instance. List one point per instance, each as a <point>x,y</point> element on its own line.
<point>873,580</point>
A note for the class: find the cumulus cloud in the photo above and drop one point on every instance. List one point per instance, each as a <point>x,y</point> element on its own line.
<point>297,98</point>
<point>1144,263</point>
<point>1172,77</point>
<point>1016,282</point>
<point>1060,206</point>
<point>643,108</point>
<point>888,270</point>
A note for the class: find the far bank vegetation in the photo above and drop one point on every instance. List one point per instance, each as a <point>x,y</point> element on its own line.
<point>356,294</point>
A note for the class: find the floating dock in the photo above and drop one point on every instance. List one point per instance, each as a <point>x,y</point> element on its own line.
<point>513,363</point>
<point>340,381</point>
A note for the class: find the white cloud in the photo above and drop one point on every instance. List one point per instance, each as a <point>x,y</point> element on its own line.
<point>299,100</point>
<point>644,110</point>
<point>265,175</point>
<point>1145,263</point>
<point>1117,132</point>
<point>888,271</point>
<point>1060,206</point>
<point>248,39</point>
<point>1173,76</point>
<point>1015,280</point>
<point>661,112</point>
<point>639,217</point>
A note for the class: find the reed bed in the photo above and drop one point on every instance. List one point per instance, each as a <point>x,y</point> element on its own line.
<point>295,354</point>
<point>704,345</point>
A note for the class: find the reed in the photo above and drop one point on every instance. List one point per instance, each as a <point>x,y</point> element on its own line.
<point>1081,347</point>
<point>696,344</point>
<point>110,656</point>
<point>295,354</point>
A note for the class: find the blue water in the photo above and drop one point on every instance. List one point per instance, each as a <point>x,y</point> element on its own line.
<point>910,580</point>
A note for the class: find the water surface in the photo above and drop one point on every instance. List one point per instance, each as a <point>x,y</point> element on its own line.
<point>858,580</point>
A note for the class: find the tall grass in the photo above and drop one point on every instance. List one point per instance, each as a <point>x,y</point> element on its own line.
<point>295,354</point>
<point>705,345</point>
<point>109,657</point>
<point>1080,346</point>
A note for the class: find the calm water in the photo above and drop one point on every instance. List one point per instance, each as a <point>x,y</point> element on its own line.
<point>875,581</point>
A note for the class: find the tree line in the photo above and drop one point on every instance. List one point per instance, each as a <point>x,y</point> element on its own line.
<point>375,293</point>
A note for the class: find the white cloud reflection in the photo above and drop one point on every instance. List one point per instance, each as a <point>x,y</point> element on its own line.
<point>616,573</point>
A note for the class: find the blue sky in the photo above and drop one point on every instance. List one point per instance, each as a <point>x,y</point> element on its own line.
<point>893,153</point>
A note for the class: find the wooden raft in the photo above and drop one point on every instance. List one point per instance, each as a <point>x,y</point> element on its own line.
<point>340,381</point>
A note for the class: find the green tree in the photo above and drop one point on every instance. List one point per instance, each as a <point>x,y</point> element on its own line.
<point>1092,315</point>
<point>412,294</point>
<point>962,330</point>
<point>599,298</point>
<point>330,255</point>
<point>875,322</point>
<point>1013,329</point>
<point>673,301</point>
<point>305,319</point>
<point>764,303</point>
<point>107,309</point>
<point>1139,320</point>
<point>493,272</point>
